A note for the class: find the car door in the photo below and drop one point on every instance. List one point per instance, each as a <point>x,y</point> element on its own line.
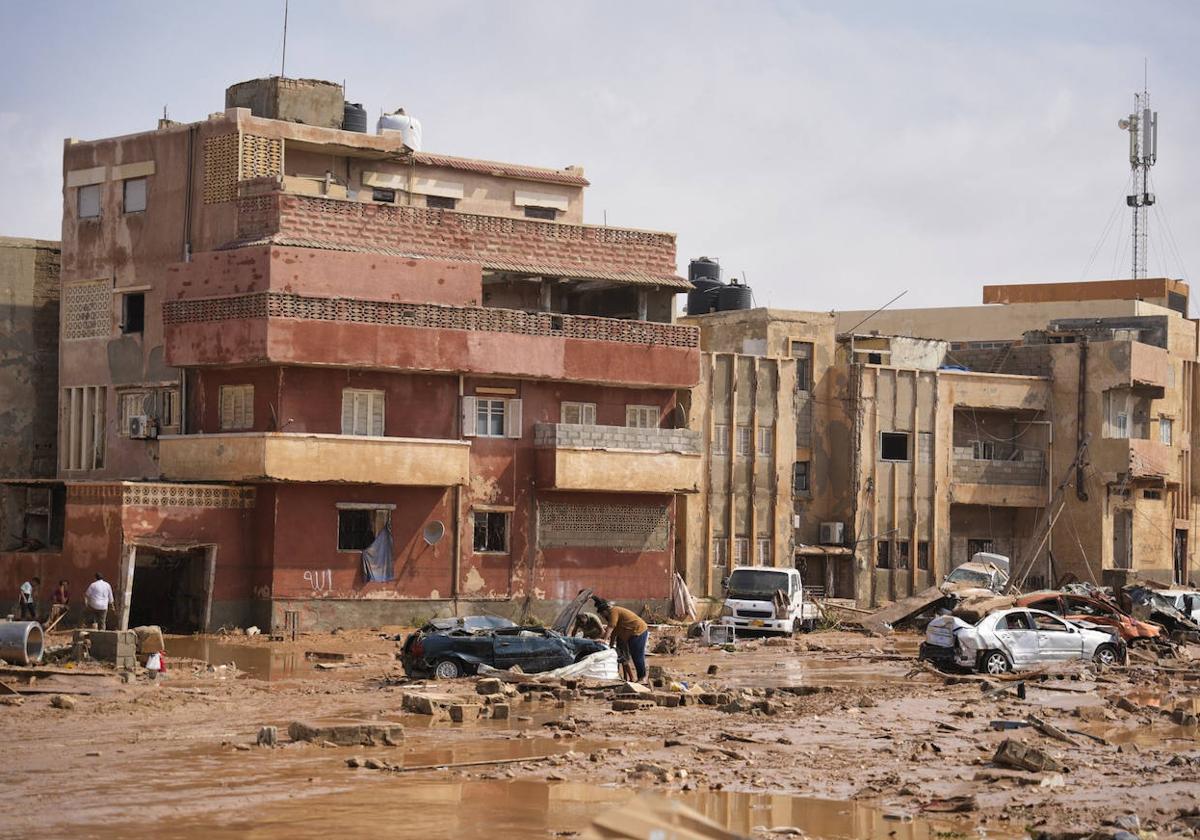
<point>1017,637</point>
<point>1057,640</point>
<point>511,647</point>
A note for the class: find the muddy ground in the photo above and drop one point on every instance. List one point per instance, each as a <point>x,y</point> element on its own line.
<point>834,733</point>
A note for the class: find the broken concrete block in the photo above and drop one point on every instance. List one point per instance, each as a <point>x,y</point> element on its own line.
<point>632,705</point>
<point>346,735</point>
<point>489,685</point>
<point>149,639</point>
<point>667,699</point>
<point>268,736</point>
<point>460,712</point>
<point>62,701</point>
<point>500,711</point>
<point>1023,756</point>
<point>491,699</point>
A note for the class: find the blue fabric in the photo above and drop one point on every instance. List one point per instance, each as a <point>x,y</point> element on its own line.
<point>377,561</point>
<point>637,652</point>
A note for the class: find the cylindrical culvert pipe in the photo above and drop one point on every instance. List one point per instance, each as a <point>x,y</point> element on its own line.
<point>21,642</point>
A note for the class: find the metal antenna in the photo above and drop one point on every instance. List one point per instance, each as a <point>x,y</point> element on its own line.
<point>283,62</point>
<point>1142,126</point>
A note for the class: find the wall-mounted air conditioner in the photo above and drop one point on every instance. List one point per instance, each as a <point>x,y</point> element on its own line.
<point>833,533</point>
<point>142,427</point>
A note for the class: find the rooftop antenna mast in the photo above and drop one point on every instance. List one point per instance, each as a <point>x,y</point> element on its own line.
<point>283,61</point>
<point>1142,126</point>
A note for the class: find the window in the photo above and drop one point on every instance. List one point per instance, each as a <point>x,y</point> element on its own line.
<point>893,446</point>
<point>168,407</point>
<point>133,197</point>
<point>1049,623</point>
<point>764,551</point>
<point>532,212</point>
<point>82,428</point>
<point>923,555</point>
<point>802,353</point>
<point>491,417</point>
<point>385,196</point>
<point>720,556</point>
<point>977,546</point>
<point>237,407</point>
<point>741,551</point>
<point>578,413</point>
<point>983,450</point>
<point>641,416</point>
<point>720,440</point>
<point>491,531</point>
<point>1166,430</point>
<point>133,312</point>
<point>874,358</point>
<point>88,201</point>
<point>441,202</point>
<point>902,554</point>
<point>161,404</point>
<point>1015,621</point>
<point>745,441</point>
<point>883,554</point>
<point>132,404</point>
<point>766,441</point>
<point>362,412</point>
<point>359,524</point>
<point>800,477</point>
<point>1152,495</point>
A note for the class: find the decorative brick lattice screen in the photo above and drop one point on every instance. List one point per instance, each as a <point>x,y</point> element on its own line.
<point>617,527</point>
<point>87,310</point>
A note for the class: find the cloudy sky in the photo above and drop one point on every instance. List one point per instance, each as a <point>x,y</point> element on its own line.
<point>836,153</point>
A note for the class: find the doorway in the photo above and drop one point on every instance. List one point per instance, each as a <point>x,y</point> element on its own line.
<point>1181,552</point>
<point>170,588</point>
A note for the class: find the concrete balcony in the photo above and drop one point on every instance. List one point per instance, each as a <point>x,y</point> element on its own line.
<point>1000,483</point>
<point>1139,458</point>
<point>284,456</point>
<point>616,459</point>
<point>285,328</point>
<point>994,390</point>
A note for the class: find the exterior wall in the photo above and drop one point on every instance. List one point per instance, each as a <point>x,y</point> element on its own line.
<point>29,290</point>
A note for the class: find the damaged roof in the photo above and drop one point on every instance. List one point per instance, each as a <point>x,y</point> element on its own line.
<point>570,176</point>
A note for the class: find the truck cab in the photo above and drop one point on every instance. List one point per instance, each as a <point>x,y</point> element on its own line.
<point>767,599</point>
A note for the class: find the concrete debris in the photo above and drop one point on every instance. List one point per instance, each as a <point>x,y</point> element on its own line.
<point>1022,756</point>
<point>62,701</point>
<point>368,734</point>
<point>268,736</point>
<point>149,639</point>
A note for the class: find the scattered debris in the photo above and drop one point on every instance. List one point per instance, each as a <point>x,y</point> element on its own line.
<point>368,734</point>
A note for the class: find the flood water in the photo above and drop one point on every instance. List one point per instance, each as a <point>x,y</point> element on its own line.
<point>264,663</point>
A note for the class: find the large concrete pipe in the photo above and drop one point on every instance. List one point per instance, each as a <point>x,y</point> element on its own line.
<point>21,642</point>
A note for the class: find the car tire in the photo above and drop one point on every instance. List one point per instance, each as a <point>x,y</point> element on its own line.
<point>1106,655</point>
<point>994,662</point>
<point>447,669</point>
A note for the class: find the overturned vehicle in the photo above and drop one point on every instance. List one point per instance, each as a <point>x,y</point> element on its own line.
<point>455,647</point>
<point>1017,639</point>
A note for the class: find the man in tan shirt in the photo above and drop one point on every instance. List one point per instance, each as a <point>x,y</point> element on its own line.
<point>627,631</point>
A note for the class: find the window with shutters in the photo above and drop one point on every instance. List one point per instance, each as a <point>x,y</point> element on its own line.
<point>720,440</point>
<point>237,407</point>
<point>133,195</point>
<point>578,413</point>
<point>168,408</point>
<point>82,428</point>
<point>132,404</point>
<point>641,416</point>
<point>489,417</point>
<point>745,441</point>
<point>741,551</point>
<point>764,551</point>
<point>88,201</point>
<point>766,441</point>
<point>362,412</point>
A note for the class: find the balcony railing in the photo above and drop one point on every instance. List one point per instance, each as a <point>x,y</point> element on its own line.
<point>579,436</point>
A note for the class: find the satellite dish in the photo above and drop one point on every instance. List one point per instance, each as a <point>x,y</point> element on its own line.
<point>1123,124</point>
<point>433,532</point>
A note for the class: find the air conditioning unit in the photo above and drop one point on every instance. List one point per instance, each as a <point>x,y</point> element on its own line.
<point>833,533</point>
<point>142,427</point>
<point>795,520</point>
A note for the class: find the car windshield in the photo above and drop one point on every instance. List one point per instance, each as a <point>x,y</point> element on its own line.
<point>971,576</point>
<point>755,584</point>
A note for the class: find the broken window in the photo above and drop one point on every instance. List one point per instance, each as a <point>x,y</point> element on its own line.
<point>923,555</point>
<point>133,195</point>
<point>766,441</point>
<point>578,414</point>
<point>720,440</point>
<point>902,554</point>
<point>800,477</point>
<point>237,407</point>
<point>490,531</point>
<point>362,412</point>
<point>441,202</point>
<point>359,524</point>
<point>548,213</point>
<point>893,446</point>
<point>883,554</point>
<point>983,450</point>
<point>976,546</point>
<point>133,312</point>
<point>764,551</point>
<point>641,416</point>
<point>1166,430</point>
<point>741,551</point>
<point>720,556</point>
<point>88,201</point>
<point>383,195</point>
<point>745,441</point>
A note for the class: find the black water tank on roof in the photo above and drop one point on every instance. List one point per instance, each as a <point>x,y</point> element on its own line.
<point>354,118</point>
<point>704,267</point>
<point>702,299</point>
<point>733,297</point>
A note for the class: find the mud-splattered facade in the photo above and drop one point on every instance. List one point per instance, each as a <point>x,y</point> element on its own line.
<point>279,339</point>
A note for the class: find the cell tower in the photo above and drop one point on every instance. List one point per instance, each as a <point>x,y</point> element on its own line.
<point>1142,126</point>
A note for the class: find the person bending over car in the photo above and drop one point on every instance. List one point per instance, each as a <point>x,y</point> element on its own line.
<point>626,629</point>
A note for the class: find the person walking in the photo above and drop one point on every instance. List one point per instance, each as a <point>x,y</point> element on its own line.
<point>97,601</point>
<point>625,627</point>
<point>60,601</point>
<point>27,598</point>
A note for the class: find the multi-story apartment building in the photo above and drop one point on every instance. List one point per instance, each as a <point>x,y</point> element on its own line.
<point>1053,424</point>
<point>282,339</point>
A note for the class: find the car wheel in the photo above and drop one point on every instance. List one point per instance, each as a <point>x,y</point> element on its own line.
<point>1105,655</point>
<point>995,662</point>
<point>447,669</point>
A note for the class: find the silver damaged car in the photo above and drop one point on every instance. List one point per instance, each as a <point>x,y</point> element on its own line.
<point>1017,639</point>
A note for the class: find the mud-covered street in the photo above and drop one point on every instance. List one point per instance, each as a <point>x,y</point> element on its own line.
<point>834,734</point>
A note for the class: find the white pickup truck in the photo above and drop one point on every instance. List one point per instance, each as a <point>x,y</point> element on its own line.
<point>767,599</point>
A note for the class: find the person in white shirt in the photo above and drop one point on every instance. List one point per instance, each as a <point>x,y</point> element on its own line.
<point>97,601</point>
<point>27,599</point>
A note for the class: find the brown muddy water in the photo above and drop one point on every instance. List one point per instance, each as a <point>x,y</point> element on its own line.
<point>264,663</point>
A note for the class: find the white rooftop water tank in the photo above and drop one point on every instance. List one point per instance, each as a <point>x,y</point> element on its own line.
<point>409,128</point>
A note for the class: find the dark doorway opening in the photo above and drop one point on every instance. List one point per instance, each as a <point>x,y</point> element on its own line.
<point>170,589</point>
<point>1181,553</point>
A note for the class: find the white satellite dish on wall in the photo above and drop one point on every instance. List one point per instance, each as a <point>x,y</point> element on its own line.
<point>433,532</point>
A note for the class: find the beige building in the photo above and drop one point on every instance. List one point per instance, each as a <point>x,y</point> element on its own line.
<point>900,450</point>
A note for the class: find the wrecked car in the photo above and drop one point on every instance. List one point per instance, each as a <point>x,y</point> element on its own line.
<point>1094,610</point>
<point>1017,639</point>
<point>983,573</point>
<point>1144,602</point>
<point>1187,601</point>
<point>456,647</point>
